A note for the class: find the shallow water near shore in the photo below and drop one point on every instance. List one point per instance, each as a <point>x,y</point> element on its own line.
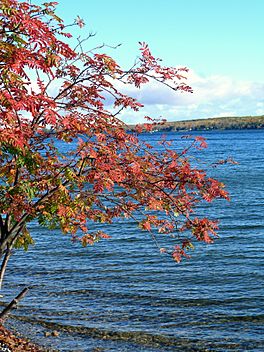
<point>123,295</point>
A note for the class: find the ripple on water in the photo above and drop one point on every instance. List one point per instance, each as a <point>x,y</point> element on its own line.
<point>123,295</point>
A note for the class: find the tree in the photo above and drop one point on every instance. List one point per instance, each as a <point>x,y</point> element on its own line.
<point>52,97</point>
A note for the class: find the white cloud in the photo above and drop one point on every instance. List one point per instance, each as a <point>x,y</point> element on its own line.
<point>213,96</point>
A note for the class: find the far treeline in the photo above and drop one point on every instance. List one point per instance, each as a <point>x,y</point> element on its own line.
<point>218,123</point>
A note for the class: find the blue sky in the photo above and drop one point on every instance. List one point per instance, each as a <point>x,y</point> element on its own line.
<point>221,41</point>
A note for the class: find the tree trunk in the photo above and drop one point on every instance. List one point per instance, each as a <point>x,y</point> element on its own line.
<point>13,304</point>
<point>7,244</point>
<point>4,265</point>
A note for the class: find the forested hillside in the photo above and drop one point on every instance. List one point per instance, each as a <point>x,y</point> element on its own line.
<point>221,123</point>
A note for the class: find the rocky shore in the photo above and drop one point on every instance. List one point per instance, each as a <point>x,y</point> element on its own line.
<point>9,341</point>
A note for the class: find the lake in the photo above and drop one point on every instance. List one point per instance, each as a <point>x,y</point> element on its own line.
<point>123,295</point>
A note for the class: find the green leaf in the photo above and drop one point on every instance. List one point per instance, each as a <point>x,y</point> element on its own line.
<point>24,240</point>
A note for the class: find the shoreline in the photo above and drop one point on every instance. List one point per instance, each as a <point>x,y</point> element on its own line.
<point>237,123</point>
<point>17,342</point>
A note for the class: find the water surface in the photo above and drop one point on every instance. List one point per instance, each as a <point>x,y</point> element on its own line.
<point>123,295</point>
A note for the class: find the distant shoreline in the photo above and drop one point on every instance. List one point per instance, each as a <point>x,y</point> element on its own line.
<point>217,123</point>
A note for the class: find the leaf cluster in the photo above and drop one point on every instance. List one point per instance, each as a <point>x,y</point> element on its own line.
<point>67,160</point>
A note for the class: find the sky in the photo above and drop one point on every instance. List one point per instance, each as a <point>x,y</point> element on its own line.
<point>220,41</point>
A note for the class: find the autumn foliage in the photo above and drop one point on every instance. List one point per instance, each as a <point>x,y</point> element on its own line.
<point>66,158</point>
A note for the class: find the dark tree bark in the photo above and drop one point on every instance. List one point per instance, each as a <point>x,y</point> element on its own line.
<point>13,304</point>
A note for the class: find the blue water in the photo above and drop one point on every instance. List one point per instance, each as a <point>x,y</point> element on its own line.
<point>123,295</point>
